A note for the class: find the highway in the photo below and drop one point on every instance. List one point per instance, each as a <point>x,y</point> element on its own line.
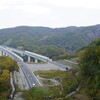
<point>40,57</point>
<point>30,77</point>
<point>30,54</point>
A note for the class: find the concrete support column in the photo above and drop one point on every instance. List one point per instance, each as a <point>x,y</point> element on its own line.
<point>36,60</point>
<point>6,54</point>
<point>21,54</point>
<point>3,53</point>
<point>29,58</point>
<point>0,53</point>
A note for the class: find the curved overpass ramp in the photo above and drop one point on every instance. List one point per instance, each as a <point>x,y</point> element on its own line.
<point>30,77</point>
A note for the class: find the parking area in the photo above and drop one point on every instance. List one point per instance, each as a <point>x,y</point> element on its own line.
<point>44,66</point>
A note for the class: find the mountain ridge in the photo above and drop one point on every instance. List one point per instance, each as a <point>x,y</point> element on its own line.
<point>69,38</point>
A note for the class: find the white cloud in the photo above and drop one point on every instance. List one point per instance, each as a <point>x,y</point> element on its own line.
<point>52,13</point>
<point>76,3</point>
<point>62,3</point>
<point>33,9</point>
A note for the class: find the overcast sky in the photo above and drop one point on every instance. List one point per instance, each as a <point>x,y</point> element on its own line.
<point>49,13</point>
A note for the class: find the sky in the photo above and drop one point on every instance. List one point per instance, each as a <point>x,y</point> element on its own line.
<point>49,13</point>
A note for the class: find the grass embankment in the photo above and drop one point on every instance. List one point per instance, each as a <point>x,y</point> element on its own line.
<point>68,83</point>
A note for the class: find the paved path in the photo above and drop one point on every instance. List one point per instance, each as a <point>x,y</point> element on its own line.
<point>45,66</point>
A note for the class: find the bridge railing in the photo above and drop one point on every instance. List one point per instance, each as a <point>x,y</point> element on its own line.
<point>31,54</point>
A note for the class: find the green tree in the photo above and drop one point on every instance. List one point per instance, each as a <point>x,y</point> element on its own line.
<point>89,62</point>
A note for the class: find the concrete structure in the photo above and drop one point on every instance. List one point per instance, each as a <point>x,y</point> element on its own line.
<point>3,52</point>
<point>30,55</point>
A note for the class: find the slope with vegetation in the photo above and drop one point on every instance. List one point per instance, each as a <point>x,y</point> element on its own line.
<point>7,65</point>
<point>67,83</point>
<point>89,62</point>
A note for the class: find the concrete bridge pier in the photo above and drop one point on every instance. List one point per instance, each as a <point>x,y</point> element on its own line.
<point>22,54</point>
<point>3,53</point>
<point>0,53</point>
<point>29,58</point>
<point>6,54</point>
<point>36,60</point>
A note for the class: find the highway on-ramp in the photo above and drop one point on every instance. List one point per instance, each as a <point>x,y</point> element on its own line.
<point>38,56</point>
<point>30,77</point>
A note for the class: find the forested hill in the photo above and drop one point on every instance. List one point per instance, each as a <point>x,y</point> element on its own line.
<point>69,38</point>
